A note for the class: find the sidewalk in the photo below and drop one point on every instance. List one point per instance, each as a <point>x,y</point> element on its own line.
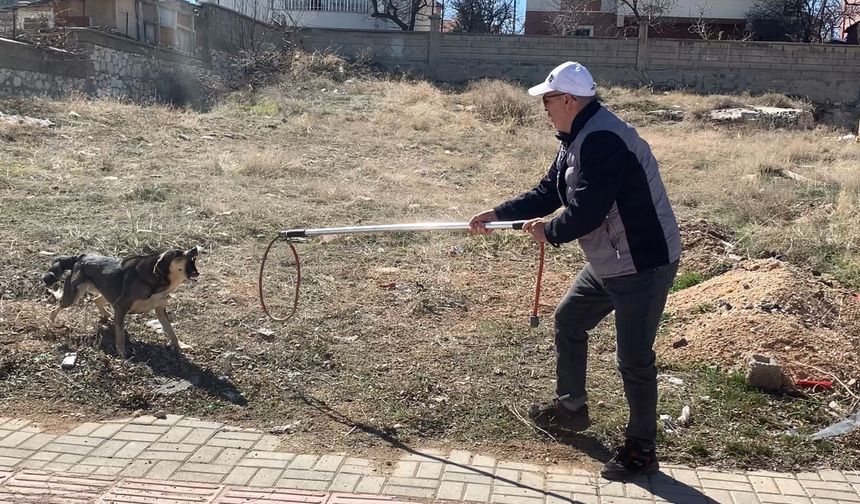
<point>183,460</point>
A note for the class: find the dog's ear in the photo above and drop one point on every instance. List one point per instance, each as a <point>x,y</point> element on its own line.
<point>162,265</point>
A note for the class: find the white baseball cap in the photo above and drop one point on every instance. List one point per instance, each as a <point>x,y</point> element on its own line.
<point>569,78</point>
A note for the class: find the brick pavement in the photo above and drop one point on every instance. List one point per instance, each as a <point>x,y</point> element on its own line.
<point>179,459</point>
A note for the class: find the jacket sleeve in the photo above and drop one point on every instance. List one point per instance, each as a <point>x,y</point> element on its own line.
<point>540,201</point>
<point>604,157</point>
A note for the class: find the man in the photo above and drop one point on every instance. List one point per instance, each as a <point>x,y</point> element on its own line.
<point>615,204</point>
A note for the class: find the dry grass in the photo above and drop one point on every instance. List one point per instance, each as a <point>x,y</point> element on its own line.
<point>426,331</point>
<point>500,102</point>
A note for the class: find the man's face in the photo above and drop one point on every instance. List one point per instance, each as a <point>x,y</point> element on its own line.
<point>560,108</point>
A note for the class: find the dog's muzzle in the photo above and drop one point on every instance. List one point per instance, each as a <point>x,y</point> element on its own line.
<point>191,267</point>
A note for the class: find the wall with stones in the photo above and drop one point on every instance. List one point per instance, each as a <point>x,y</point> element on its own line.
<point>102,64</point>
<point>123,68</point>
<point>821,72</point>
<point>95,63</point>
<point>27,70</point>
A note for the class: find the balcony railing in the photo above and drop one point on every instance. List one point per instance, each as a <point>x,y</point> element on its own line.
<point>359,6</point>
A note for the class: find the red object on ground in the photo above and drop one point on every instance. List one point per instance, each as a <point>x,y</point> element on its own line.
<point>825,384</point>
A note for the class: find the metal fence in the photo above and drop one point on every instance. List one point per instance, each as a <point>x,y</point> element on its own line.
<point>359,6</point>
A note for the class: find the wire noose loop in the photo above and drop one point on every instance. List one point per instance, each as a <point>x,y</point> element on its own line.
<point>298,282</point>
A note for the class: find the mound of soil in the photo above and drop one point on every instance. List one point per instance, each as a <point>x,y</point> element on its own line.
<point>768,307</point>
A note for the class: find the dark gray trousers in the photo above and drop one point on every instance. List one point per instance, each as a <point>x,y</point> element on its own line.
<point>638,301</point>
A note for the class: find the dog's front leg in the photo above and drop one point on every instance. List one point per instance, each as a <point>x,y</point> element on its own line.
<point>177,345</point>
<point>119,329</point>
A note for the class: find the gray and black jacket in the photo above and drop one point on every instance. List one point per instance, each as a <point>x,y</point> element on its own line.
<point>615,203</point>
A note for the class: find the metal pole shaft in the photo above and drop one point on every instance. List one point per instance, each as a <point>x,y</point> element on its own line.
<point>396,228</point>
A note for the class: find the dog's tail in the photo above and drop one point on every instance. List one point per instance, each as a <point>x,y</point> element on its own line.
<point>60,265</point>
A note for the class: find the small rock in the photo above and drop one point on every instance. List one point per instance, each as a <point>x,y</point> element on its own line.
<point>160,415</point>
<point>172,387</point>
<point>764,372</point>
<point>284,429</point>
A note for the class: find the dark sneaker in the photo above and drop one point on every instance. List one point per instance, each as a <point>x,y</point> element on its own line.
<point>554,417</point>
<point>629,463</point>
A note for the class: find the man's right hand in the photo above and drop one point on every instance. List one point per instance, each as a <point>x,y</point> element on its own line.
<point>476,223</point>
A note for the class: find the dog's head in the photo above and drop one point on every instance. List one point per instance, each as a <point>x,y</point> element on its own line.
<point>177,266</point>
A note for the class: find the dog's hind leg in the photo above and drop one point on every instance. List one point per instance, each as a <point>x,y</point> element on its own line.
<point>102,304</point>
<point>177,345</point>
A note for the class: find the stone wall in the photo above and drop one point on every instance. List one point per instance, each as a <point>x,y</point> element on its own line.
<point>463,57</point>
<point>123,68</point>
<point>103,64</point>
<point>27,70</point>
<point>820,72</point>
<point>95,63</point>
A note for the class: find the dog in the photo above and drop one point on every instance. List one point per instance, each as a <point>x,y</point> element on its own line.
<point>134,285</point>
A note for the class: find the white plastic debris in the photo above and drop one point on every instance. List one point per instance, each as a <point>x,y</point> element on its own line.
<point>669,424</point>
<point>25,120</point>
<point>843,427</point>
<point>154,325</point>
<point>684,419</point>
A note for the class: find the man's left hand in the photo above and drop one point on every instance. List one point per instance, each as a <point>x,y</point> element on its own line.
<point>535,227</point>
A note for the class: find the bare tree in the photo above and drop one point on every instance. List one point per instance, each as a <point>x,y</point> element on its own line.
<point>484,16</point>
<point>648,12</point>
<point>573,14</point>
<point>403,13</point>
<point>258,32</point>
<point>701,26</point>
<point>798,20</point>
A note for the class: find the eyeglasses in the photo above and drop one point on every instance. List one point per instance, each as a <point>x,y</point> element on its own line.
<point>546,98</point>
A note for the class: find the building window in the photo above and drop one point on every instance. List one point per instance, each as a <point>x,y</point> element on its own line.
<point>580,31</point>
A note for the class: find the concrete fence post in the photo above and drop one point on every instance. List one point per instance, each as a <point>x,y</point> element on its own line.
<point>435,38</point>
<point>642,52</point>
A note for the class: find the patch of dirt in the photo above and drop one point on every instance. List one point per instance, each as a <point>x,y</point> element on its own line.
<point>707,248</point>
<point>769,307</point>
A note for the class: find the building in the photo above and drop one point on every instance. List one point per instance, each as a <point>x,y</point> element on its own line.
<point>165,23</point>
<point>851,22</point>
<point>346,14</point>
<point>717,19</point>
